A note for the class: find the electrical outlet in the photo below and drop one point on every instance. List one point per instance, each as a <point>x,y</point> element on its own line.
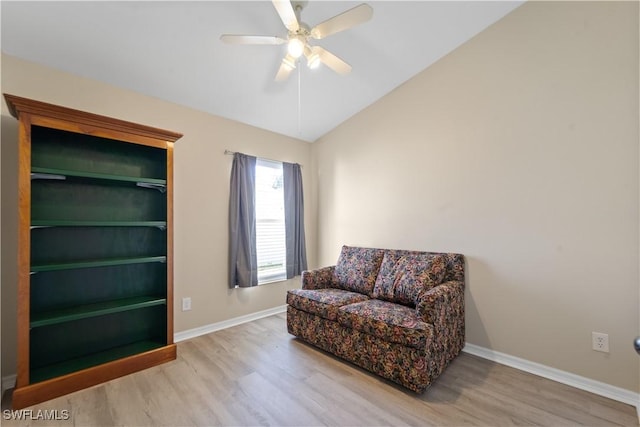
<point>600,342</point>
<point>186,304</point>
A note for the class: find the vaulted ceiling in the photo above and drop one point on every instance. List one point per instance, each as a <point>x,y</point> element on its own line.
<point>172,51</point>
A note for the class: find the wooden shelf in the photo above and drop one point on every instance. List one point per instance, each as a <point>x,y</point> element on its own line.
<point>93,310</point>
<point>94,249</point>
<point>73,365</point>
<point>65,223</point>
<point>102,176</point>
<point>96,263</point>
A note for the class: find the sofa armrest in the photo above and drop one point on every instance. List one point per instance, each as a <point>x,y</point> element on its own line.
<point>443,307</point>
<point>318,279</point>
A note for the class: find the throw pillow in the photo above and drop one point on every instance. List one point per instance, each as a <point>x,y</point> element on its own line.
<point>403,277</point>
<point>357,269</point>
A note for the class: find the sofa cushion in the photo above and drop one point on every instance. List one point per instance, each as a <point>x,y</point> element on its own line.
<point>322,302</point>
<point>388,321</point>
<point>357,269</point>
<point>403,275</point>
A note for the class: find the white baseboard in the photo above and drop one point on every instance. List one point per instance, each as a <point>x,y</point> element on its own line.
<point>582,383</point>
<point>8,382</point>
<point>203,330</point>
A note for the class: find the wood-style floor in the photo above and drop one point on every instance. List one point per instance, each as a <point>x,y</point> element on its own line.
<point>257,375</point>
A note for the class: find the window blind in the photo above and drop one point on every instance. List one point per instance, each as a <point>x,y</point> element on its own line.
<point>270,225</point>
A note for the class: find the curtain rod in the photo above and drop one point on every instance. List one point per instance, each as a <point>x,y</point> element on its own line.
<point>231,153</point>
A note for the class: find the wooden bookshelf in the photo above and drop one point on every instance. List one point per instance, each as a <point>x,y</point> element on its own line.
<point>95,250</point>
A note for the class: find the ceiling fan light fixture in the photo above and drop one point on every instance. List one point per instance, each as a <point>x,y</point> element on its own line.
<point>296,46</point>
<point>313,60</point>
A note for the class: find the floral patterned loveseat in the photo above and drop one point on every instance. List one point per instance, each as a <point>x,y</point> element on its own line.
<point>396,313</point>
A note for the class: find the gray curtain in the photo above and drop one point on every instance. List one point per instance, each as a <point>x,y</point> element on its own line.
<point>243,263</point>
<point>294,219</point>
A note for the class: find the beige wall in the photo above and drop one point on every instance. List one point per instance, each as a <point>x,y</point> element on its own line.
<point>201,192</point>
<point>519,150</point>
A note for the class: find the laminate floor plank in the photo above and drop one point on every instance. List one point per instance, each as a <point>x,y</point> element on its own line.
<point>256,374</point>
<point>284,407</point>
<point>195,395</point>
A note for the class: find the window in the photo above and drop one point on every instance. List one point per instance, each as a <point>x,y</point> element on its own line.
<point>270,224</point>
<point>266,221</point>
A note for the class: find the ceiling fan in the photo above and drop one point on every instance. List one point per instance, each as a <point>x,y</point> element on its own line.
<point>299,35</point>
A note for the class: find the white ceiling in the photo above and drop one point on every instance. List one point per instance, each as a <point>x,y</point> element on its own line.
<point>171,50</point>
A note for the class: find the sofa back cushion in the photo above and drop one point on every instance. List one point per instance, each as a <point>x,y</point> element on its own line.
<point>357,269</point>
<point>455,267</point>
<point>404,274</point>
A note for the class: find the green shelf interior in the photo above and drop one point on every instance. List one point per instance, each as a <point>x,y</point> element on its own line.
<point>68,223</point>
<point>61,348</point>
<point>92,175</point>
<point>96,263</point>
<point>82,200</point>
<point>61,289</point>
<point>98,250</point>
<point>73,154</point>
<point>73,365</point>
<point>93,310</point>
<point>62,245</point>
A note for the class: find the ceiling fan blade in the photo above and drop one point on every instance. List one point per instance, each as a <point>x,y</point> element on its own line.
<point>287,14</point>
<point>286,67</point>
<point>242,39</point>
<point>332,61</point>
<point>344,21</point>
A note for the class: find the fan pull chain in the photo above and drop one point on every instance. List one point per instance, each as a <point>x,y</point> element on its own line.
<point>299,104</point>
